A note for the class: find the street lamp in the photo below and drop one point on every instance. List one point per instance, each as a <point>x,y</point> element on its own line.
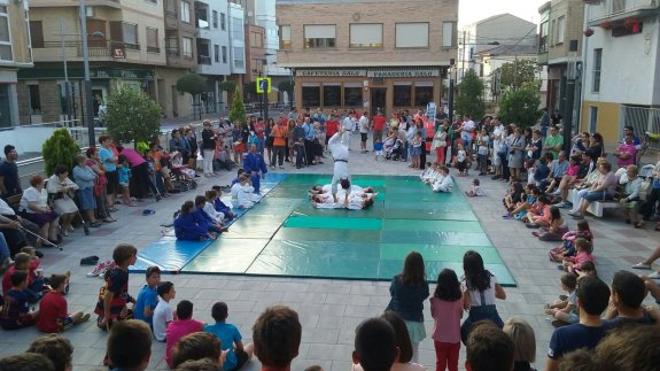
<point>89,114</point>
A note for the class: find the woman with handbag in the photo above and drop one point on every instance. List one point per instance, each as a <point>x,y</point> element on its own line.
<point>480,293</point>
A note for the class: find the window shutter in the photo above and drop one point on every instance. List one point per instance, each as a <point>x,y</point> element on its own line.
<point>37,34</point>
<point>116,33</point>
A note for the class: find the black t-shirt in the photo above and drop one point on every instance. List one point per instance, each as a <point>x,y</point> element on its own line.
<point>573,337</point>
<point>207,139</point>
<point>623,321</point>
<point>9,172</point>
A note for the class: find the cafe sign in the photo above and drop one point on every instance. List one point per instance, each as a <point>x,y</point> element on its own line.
<point>331,73</point>
<point>371,73</point>
<point>402,73</point>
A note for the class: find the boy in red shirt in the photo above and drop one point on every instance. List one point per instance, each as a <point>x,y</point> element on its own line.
<point>331,128</point>
<point>53,311</point>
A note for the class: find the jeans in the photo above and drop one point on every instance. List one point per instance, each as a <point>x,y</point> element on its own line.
<point>278,155</point>
<point>300,155</point>
<point>4,249</point>
<point>208,161</point>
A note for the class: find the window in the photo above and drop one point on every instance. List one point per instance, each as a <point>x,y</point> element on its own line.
<point>170,8</point>
<point>185,11</point>
<point>353,94</point>
<point>223,22</point>
<point>215,19</point>
<point>598,60</point>
<point>256,40</point>
<point>366,35</point>
<point>543,38</point>
<point>423,94</point>
<point>560,30</point>
<point>216,53</point>
<point>239,57</point>
<point>35,100</point>
<point>553,30</point>
<point>285,37</point>
<point>224,54</point>
<point>403,95</point>
<point>172,43</point>
<point>130,35</point>
<point>412,35</point>
<point>5,40</point>
<point>311,96</point>
<point>37,34</point>
<point>332,95</point>
<point>319,36</point>
<point>5,109</point>
<point>152,40</point>
<point>618,6</point>
<point>202,15</point>
<point>448,34</point>
<point>593,119</point>
<point>237,28</point>
<point>187,47</point>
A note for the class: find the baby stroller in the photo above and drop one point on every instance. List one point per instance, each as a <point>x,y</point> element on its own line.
<point>394,150</point>
<point>182,177</point>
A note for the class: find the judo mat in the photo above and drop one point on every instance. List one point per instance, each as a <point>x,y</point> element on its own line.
<point>284,235</point>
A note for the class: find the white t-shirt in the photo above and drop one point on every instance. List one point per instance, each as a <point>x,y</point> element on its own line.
<point>32,195</point>
<point>5,209</point>
<point>364,124</point>
<point>483,146</point>
<point>347,124</point>
<point>461,155</point>
<point>163,314</point>
<point>489,294</point>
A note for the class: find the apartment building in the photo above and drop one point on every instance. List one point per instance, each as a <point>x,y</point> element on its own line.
<point>15,53</point>
<point>621,67</point>
<point>256,52</point>
<point>560,51</point>
<point>237,53</point>
<point>367,55</point>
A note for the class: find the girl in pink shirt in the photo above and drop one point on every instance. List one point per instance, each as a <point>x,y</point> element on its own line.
<point>583,255</point>
<point>447,310</point>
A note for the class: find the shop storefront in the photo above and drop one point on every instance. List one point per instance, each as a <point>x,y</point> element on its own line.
<point>370,89</point>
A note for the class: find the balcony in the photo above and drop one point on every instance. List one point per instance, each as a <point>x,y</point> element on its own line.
<point>203,59</point>
<point>96,49</point>
<point>73,3</point>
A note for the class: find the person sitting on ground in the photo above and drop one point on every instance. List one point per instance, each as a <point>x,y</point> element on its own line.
<point>255,166</point>
<point>147,298</point>
<point>113,301</point>
<point>197,346</point>
<point>164,313</point>
<point>230,338</point>
<point>583,254</point>
<point>186,227</point>
<point>489,349</point>
<point>628,293</point>
<point>55,347</point>
<point>475,189</point>
<point>27,362</point>
<point>34,207</point>
<point>276,335</point>
<point>54,315</point>
<point>555,230</point>
<point>593,296</point>
<point>513,197</point>
<point>565,311</point>
<point>524,343</point>
<point>129,346</point>
<point>15,312</point>
<point>22,263</point>
<point>539,214</point>
<point>242,193</point>
<point>209,207</point>
<point>204,364</point>
<point>220,206</point>
<point>375,345</point>
<point>567,248</point>
<point>446,184</point>
<point>203,219</point>
<point>61,189</point>
<point>528,198</point>
<point>183,325</point>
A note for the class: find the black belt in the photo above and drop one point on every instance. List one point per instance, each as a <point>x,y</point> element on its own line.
<point>346,161</point>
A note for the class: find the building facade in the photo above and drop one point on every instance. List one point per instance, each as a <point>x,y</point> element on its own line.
<point>621,67</point>
<point>492,60</point>
<point>256,52</point>
<point>359,56</point>
<point>15,53</point>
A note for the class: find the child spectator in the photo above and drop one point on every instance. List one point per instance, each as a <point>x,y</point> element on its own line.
<point>209,207</point>
<point>489,349</point>
<point>204,364</point>
<point>195,347</point>
<point>567,248</point>
<point>565,311</point>
<point>113,296</point>
<point>593,296</point>
<point>182,326</point>
<point>186,227</point>
<point>402,339</point>
<point>482,151</point>
<point>129,345</point>
<point>53,310</point>
<point>163,314</point>
<point>588,270</point>
<point>447,310</point>
<point>416,151</point>
<point>461,161</point>
<point>475,189</point>
<point>147,298</point>
<point>513,197</point>
<point>628,293</point>
<point>524,343</point>
<point>230,338</point>
<point>27,362</point>
<point>555,230</point>
<point>220,206</point>
<point>539,215</point>
<point>15,312</point>
<point>124,173</point>
<point>203,219</point>
<point>583,251</point>
<point>57,348</point>
<point>375,345</point>
<point>22,262</point>
<point>409,289</point>
<point>276,335</point>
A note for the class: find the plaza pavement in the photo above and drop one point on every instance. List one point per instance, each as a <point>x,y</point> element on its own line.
<point>329,309</point>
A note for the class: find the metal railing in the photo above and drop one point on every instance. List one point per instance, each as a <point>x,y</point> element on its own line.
<point>642,119</point>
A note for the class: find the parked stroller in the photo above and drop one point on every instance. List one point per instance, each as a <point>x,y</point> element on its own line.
<point>393,149</point>
<point>182,177</point>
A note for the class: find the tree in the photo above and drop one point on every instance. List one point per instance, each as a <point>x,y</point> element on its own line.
<point>469,100</point>
<point>132,116</point>
<point>194,85</point>
<point>59,149</point>
<point>521,106</point>
<point>237,112</point>
<point>517,73</point>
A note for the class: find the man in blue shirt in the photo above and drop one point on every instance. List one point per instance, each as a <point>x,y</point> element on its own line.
<point>148,297</point>
<point>593,297</point>
<point>255,165</point>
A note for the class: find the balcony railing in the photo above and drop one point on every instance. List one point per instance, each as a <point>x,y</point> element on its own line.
<point>153,49</point>
<point>203,59</point>
<point>96,48</point>
<point>172,52</point>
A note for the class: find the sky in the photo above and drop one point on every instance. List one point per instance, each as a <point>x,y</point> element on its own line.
<point>471,11</point>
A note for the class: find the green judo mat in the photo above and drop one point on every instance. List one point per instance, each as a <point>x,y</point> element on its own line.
<point>284,235</point>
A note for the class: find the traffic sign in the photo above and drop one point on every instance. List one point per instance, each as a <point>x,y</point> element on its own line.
<point>263,85</point>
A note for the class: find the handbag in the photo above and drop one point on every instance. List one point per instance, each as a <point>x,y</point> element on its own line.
<point>480,313</point>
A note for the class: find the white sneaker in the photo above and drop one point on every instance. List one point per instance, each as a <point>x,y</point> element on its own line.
<point>641,265</point>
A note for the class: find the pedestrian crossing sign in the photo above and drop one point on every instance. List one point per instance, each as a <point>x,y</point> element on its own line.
<point>263,85</point>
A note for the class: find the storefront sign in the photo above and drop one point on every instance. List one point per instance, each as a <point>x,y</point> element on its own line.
<point>371,73</point>
<point>403,73</point>
<point>331,73</point>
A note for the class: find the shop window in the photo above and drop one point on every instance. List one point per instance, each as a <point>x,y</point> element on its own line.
<point>331,95</point>
<point>311,96</point>
<point>352,96</point>
<point>423,95</point>
<point>402,95</point>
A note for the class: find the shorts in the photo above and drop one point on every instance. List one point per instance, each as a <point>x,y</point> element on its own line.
<point>241,359</point>
<point>67,323</point>
<point>113,182</point>
<point>363,137</point>
<point>596,196</point>
<point>123,185</point>
<point>461,165</point>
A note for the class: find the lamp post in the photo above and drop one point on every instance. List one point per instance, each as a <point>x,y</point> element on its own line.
<point>89,110</point>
